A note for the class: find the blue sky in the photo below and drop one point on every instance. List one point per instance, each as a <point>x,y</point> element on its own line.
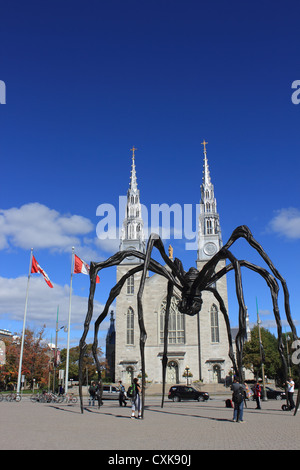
<point>85,81</point>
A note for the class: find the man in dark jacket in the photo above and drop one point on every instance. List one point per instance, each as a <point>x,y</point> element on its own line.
<point>238,400</point>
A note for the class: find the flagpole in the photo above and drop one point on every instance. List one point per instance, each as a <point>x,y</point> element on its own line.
<point>24,323</point>
<point>69,323</point>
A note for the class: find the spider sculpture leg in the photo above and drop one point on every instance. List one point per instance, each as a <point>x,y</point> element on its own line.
<point>155,241</point>
<point>204,280</point>
<point>178,272</point>
<point>166,331</point>
<point>94,269</point>
<point>274,289</point>
<point>227,322</point>
<point>82,343</point>
<point>244,232</point>
<point>113,294</point>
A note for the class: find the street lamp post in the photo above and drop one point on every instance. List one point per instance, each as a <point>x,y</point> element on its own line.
<point>187,369</point>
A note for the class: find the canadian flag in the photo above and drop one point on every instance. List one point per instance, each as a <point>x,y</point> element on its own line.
<point>81,266</point>
<point>35,268</point>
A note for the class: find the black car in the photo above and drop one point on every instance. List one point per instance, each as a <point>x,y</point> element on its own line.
<point>184,392</point>
<point>272,394</point>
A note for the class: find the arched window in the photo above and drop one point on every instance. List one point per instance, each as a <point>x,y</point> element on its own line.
<point>176,323</point>
<point>130,326</point>
<point>214,322</point>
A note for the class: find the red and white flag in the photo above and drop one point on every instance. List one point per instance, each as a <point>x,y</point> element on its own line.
<point>81,266</point>
<point>35,268</point>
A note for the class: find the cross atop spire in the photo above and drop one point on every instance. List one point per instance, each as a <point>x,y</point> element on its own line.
<point>204,145</point>
<point>133,150</point>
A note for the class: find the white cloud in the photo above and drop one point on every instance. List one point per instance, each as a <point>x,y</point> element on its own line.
<point>286,223</point>
<point>35,225</point>
<point>43,303</point>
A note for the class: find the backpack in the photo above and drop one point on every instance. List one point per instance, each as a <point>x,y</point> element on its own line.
<point>228,403</point>
<point>238,396</point>
<point>131,391</point>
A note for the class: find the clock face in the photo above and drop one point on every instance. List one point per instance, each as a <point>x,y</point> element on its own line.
<point>210,248</point>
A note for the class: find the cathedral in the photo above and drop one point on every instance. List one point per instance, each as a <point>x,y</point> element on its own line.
<point>197,345</point>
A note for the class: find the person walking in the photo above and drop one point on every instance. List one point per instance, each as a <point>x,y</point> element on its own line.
<point>257,395</point>
<point>238,397</point>
<point>136,402</point>
<point>92,392</point>
<point>122,394</point>
<point>98,394</point>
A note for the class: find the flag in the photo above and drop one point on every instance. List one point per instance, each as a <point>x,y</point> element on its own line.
<point>35,268</point>
<point>82,267</point>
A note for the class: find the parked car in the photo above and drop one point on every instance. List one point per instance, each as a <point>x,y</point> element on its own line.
<point>110,392</point>
<point>272,394</point>
<point>184,392</point>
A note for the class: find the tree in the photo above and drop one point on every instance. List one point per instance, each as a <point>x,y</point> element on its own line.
<point>35,363</point>
<point>89,367</point>
<point>252,356</point>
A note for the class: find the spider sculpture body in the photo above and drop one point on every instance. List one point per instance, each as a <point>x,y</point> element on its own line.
<point>190,284</point>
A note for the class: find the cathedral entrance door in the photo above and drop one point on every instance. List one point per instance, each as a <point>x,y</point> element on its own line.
<point>172,372</point>
<point>129,375</point>
<point>216,374</point>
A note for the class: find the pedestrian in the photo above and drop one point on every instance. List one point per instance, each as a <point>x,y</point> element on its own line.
<point>238,396</point>
<point>99,389</point>
<point>290,393</point>
<point>257,395</point>
<point>92,392</point>
<point>122,394</point>
<point>136,402</point>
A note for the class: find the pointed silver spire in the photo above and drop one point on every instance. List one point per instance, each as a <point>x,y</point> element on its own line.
<point>132,234</point>
<point>209,234</point>
<point>133,180</point>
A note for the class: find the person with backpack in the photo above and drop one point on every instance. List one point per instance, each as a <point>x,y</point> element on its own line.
<point>135,393</point>
<point>238,396</point>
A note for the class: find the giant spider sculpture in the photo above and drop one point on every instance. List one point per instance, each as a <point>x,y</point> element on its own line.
<point>190,284</point>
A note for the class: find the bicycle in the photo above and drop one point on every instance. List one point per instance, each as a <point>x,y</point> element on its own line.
<point>13,396</point>
<point>70,398</point>
<point>55,398</point>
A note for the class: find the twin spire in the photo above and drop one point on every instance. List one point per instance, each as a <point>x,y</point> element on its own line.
<point>132,234</point>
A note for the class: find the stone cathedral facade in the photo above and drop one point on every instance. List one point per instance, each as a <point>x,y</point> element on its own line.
<point>200,342</point>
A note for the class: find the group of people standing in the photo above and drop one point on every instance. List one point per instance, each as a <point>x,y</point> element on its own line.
<point>95,394</point>
<point>241,391</point>
<point>136,396</point>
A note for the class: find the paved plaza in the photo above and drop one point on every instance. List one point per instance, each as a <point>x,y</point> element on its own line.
<point>184,426</point>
